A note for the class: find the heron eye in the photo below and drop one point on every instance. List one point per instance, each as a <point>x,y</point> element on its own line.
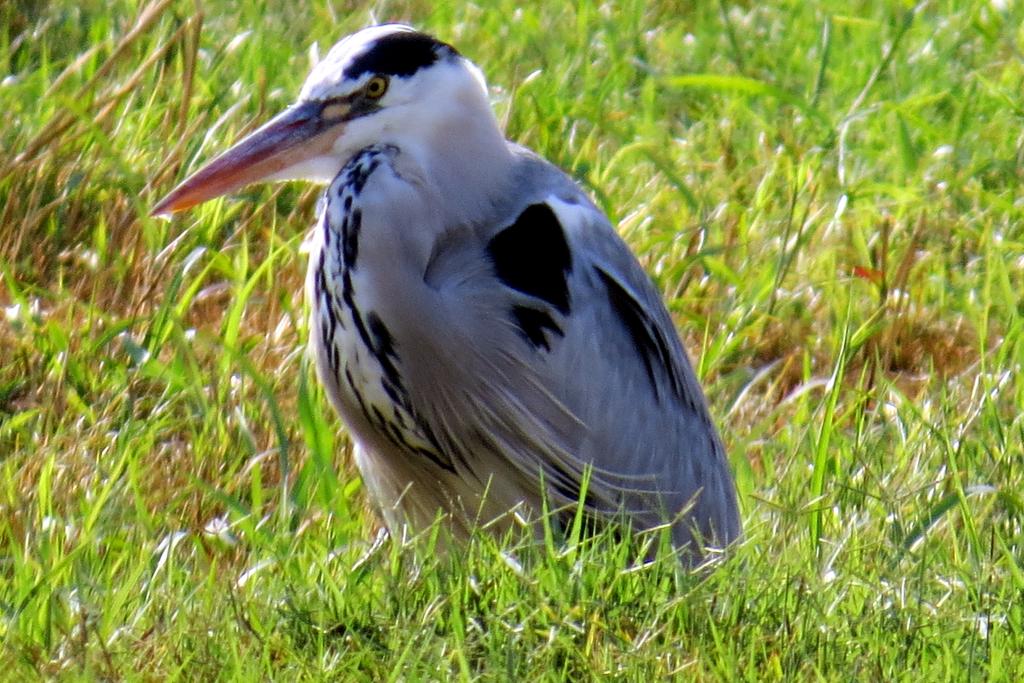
<point>376,87</point>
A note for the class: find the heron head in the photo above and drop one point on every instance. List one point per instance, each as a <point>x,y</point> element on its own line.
<point>386,83</point>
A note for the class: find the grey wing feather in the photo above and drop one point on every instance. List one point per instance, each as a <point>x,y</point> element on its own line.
<point>552,386</point>
<point>639,394</point>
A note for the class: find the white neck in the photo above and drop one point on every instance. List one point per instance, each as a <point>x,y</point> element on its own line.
<point>465,157</point>
<point>448,135</point>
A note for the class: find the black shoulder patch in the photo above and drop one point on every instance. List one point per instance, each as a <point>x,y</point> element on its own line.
<point>402,53</point>
<point>532,256</point>
<point>649,341</point>
<point>534,325</point>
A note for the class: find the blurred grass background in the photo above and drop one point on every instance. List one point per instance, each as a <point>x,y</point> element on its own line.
<point>828,194</point>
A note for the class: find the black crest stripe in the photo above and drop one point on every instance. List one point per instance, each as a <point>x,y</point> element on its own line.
<point>402,53</point>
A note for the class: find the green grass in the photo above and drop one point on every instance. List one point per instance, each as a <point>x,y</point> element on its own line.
<point>829,195</point>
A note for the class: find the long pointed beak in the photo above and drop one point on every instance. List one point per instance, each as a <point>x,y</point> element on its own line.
<point>294,136</point>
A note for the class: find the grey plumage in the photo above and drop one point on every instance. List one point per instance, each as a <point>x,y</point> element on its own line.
<point>477,322</point>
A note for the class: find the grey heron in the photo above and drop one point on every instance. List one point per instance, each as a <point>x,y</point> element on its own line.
<point>489,340</point>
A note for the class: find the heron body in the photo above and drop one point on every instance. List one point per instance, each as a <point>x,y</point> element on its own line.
<point>485,334</point>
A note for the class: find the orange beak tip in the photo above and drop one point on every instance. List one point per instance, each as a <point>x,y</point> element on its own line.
<point>160,211</point>
<point>170,205</point>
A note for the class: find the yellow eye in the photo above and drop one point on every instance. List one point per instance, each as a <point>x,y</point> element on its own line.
<point>376,87</point>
